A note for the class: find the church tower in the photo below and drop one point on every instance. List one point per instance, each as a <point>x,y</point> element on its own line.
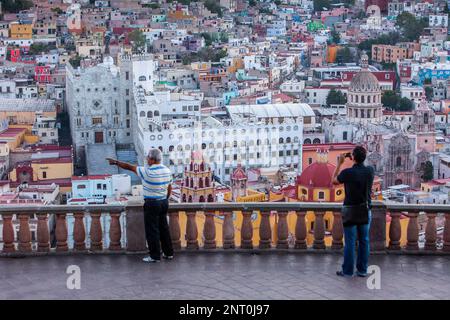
<point>238,183</point>
<point>424,127</point>
<point>364,96</point>
<point>197,184</point>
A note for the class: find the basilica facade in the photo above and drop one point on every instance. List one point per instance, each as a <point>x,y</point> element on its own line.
<point>398,152</point>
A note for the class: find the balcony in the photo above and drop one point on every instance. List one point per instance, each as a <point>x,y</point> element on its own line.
<point>224,251</point>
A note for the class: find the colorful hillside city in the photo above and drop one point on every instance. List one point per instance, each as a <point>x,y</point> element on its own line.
<point>248,100</point>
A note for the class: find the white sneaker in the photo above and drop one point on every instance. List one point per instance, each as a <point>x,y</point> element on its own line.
<point>149,259</point>
<point>167,257</point>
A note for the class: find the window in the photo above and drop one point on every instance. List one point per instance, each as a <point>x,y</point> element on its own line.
<point>321,195</point>
<point>127,106</point>
<point>81,186</point>
<point>99,186</point>
<point>127,92</point>
<point>142,78</point>
<point>128,123</point>
<point>344,135</point>
<point>44,174</point>
<point>127,75</point>
<point>96,120</point>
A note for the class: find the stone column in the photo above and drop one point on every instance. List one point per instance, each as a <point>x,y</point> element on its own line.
<point>115,233</point>
<point>300,231</point>
<point>265,232</point>
<point>377,231</point>
<point>24,233</point>
<point>337,232</point>
<point>395,231</point>
<point>61,232</point>
<point>209,230</point>
<point>228,231</point>
<point>174,226</point>
<point>446,237</point>
<point>282,231</point>
<point>247,230</point>
<point>191,231</point>
<point>413,232</point>
<point>319,231</point>
<point>8,234</point>
<point>96,232</point>
<point>430,232</point>
<point>79,232</point>
<point>136,241</point>
<point>43,236</point>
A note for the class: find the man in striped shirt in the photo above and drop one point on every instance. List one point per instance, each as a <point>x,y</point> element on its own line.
<point>157,184</point>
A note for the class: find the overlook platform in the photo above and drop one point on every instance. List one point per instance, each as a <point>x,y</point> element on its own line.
<point>222,275</point>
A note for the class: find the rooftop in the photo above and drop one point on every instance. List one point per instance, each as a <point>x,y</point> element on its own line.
<point>222,276</point>
<point>27,105</point>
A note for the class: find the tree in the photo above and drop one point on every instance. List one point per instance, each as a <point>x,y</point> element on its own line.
<point>405,104</point>
<point>138,41</point>
<point>58,10</point>
<point>277,2</point>
<point>429,93</point>
<point>335,97</point>
<point>319,5</point>
<point>214,7</point>
<point>335,36</point>
<point>389,99</point>
<point>344,55</point>
<point>75,61</point>
<point>15,6</point>
<point>252,3</point>
<point>207,37</point>
<point>427,171</point>
<point>38,48</point>
<point>411,27</point>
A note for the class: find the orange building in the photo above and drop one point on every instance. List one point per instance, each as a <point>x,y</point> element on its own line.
<point>311,152</point>
<point>387,53</point>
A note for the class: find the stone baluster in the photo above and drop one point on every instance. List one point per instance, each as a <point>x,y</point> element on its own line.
<point>228,230</point>
<point>412,232</point>
<point>337,232</point>
<point>43,236</point>
<point>79,232</point>
<point>446,237</point>
<point>430,232</point>
<point>247,230</point>
<point>300,231</point>
<point>191,231</point>
<point>95,233</point>
<point>282,231</point>
<point>8,234</point>
<point>209,230</point>
<point>24,233</point>
<point>115,233</point>
<point>319,231</point>
<point>395,231</point>
<point>61,232</point>
<point>174,227</point>
<point>265,232</point>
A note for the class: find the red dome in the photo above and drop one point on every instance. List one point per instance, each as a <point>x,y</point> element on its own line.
<point>317,175</point>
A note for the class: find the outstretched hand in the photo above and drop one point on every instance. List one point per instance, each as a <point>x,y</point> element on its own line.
<point>112,161</point>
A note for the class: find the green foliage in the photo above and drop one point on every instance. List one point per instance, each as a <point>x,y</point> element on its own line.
<point>75,61</point>
<point>38,48</point>
<point>15,6</point>
<point>392,101</point>
<point>429,93</point>
<point>335,97</point>
<point>221,37</point>
<point>152,5</point>
<point>427,171</point>
<point>214,7</point>
<point>411,27</point>
<point>335,37</point>
<point>344,55</point>
<point>277,2</point>
<point>252,3</point>
<point>320,4</point>
<point>204,54</point>
<point>138,41</point>
<point>58,10</point>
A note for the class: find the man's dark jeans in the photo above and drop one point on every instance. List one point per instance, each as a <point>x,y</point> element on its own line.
<point>352,233</point>
<point>157,229</point>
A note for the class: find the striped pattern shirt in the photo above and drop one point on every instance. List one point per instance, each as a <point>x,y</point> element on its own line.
<point>155,181</point>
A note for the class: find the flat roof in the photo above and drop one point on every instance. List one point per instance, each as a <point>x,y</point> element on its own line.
<point>27,105</point>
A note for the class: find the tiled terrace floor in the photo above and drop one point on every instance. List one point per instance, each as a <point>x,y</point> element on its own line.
<point>222,276</point>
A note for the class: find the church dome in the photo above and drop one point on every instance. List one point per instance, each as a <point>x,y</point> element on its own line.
<point>317,175</point>
<point>364,81</point>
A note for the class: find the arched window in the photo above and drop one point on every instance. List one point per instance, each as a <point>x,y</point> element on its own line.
<point>398,161</point>
<point>316,141</point>
<point>184,197</point>
<point>210,198</point>
<point>207,182</point>
<point>142,114</point>
<point>171,148</point>
<point>362,99</point>
<point>187,182</point>
<point>307,141</point>
<point>281,140</point>
<point>200,182</point>
<point>288,140</point>
<point>191,183</point>
<point>368,99</point>
<point>190,199</point>
<point>201,199</point>
<point>156,113</point>
<point>149,114</point>
<point>425,118</point>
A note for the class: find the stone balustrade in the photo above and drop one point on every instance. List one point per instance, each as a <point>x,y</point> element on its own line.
<point>213,226</point>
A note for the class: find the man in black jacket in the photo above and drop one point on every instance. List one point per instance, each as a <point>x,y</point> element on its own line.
<point>357,182</point>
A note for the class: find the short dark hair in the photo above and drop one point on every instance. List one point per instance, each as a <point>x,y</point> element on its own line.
<point>359,154</point>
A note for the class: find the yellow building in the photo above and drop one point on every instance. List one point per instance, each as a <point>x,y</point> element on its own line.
<point>20,31</point>
<point>197,184</point>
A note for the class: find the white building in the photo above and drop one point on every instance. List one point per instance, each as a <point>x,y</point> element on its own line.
<point>45,128</point>
<point>438,20</point>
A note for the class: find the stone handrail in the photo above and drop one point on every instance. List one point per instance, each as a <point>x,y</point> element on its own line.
<point>271,235</point>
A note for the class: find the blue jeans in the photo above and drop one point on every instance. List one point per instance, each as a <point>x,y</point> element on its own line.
<point>350,234</point>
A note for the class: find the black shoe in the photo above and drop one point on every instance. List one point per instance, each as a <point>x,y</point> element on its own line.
<point>167,257</point>
<point>361,274</point>
<point>342,274</point>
